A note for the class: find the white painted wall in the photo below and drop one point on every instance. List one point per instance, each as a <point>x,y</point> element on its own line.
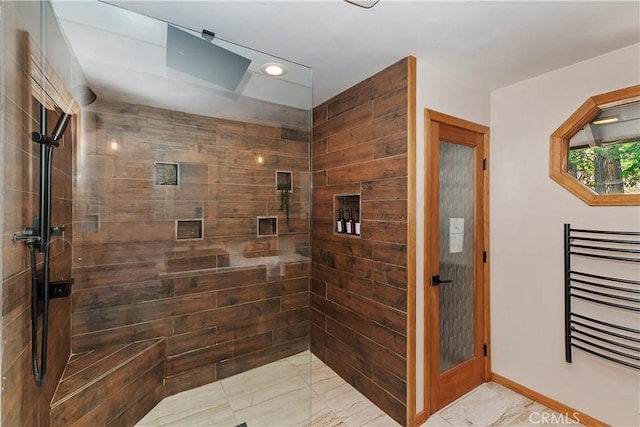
<point>446,94</point>
<point>528,211</point>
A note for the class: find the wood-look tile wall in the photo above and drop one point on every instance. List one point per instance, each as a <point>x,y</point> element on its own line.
<point>24,404</point>
<point>221,310</point>
<point>359,284</point>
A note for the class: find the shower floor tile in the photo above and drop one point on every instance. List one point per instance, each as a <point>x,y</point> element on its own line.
<point>303,391</point>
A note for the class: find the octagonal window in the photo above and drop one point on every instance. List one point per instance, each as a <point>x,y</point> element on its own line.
<point>595,154</point>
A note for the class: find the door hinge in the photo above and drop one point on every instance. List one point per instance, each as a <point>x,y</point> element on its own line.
<point>484,164</point>
<point>484,257</point>
<point>484,349</point>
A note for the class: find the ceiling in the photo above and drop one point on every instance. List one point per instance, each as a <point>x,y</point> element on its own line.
<point>492,43</point>
<point>330,45</point>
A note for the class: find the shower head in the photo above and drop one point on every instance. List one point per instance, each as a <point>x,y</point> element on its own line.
<point>84,95</point>
<point>58,131</point>
<point>61,126</point>
<point>201,58</point>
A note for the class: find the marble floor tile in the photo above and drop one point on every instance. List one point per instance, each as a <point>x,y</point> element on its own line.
<point>483,407</point>
<point>301,391</point>
<point>436,420</point>
<point>172,409</point>
<point>320,371</point>
<point>322,415</point>
<point>258,378</point>
<point>290,409</point>
<point>295,386</point>
<point>327,384</point>
<point>369,416</point>
<point>346,402</point>
<point>491,404</point>
<point>302,365</point>
<point>216,416</point>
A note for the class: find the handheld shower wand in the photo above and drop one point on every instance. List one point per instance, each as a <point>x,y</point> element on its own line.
<point>40,236</point>
<point>58,131</point>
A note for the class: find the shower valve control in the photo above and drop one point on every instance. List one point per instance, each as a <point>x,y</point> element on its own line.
<point>28,235</point>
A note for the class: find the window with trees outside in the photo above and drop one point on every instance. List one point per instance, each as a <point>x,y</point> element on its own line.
<point>595,154</point>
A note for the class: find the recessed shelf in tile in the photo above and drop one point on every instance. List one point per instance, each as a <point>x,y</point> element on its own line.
<point>346,217</point>
<point>166,174</point>
<point>267,226</point>
<point>284,180</point>
<point>188,229</point>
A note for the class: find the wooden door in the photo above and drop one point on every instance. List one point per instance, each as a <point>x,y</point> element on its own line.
<point>456,301</point>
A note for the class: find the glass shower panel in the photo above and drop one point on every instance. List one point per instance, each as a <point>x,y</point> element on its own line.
<point>182,227</point>
<point>456,213</point>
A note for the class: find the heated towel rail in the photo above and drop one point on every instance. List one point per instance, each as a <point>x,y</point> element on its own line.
<point>619,343</point>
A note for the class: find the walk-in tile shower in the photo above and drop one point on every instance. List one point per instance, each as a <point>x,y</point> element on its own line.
<point>184,196</point>
<point>183,202</point>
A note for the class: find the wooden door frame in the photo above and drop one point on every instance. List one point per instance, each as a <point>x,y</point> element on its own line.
<point>431,116</point>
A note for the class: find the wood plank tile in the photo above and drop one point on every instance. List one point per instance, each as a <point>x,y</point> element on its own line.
<point>318,319</point>
<point>219,281</point>
<point>385,168</point>
<point>291,333</point>
<point>253,343</point>
<point>337,340</point>
<point>390,145</point>
<point>355,321</point>
<point>229,331</point>
<point>392,253</point>
<point>246,294</point>
<point>389,339</point>
<point>211,318</point>
<point>294,301</point>
<point>122,294</point>
<point>389,210</point>
<point>138,410</point>
<point>390,275</point>
<point>335,276</point>
<point>259,358</point>
<point>105,275</point>
<point>194,359</point>
<point>67,411</point>
<point>395,408</point>
<point>189,379</point>
<point>386,316</point>
<point>351,155</point>
<point>124,315</point>
<point>335,124</point>
<point>383,127</point>
<point>182,343</point>
<point>390,296</point>
<point>391,102</point>
<point>126,399</point>
<point>122,335</point>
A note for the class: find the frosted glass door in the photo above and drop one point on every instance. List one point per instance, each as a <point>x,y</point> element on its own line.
<point>457,269</point>
<point>455,194</point>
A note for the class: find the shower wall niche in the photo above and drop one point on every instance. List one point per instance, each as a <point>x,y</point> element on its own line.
<point>184,261</point>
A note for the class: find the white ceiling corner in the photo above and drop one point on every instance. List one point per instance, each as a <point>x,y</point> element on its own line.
<point>489,43</point>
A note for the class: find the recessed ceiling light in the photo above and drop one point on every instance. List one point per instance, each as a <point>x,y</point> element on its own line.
<point>274,69</point>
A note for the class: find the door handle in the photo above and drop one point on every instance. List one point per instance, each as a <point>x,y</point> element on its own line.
<point>435,281</point>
